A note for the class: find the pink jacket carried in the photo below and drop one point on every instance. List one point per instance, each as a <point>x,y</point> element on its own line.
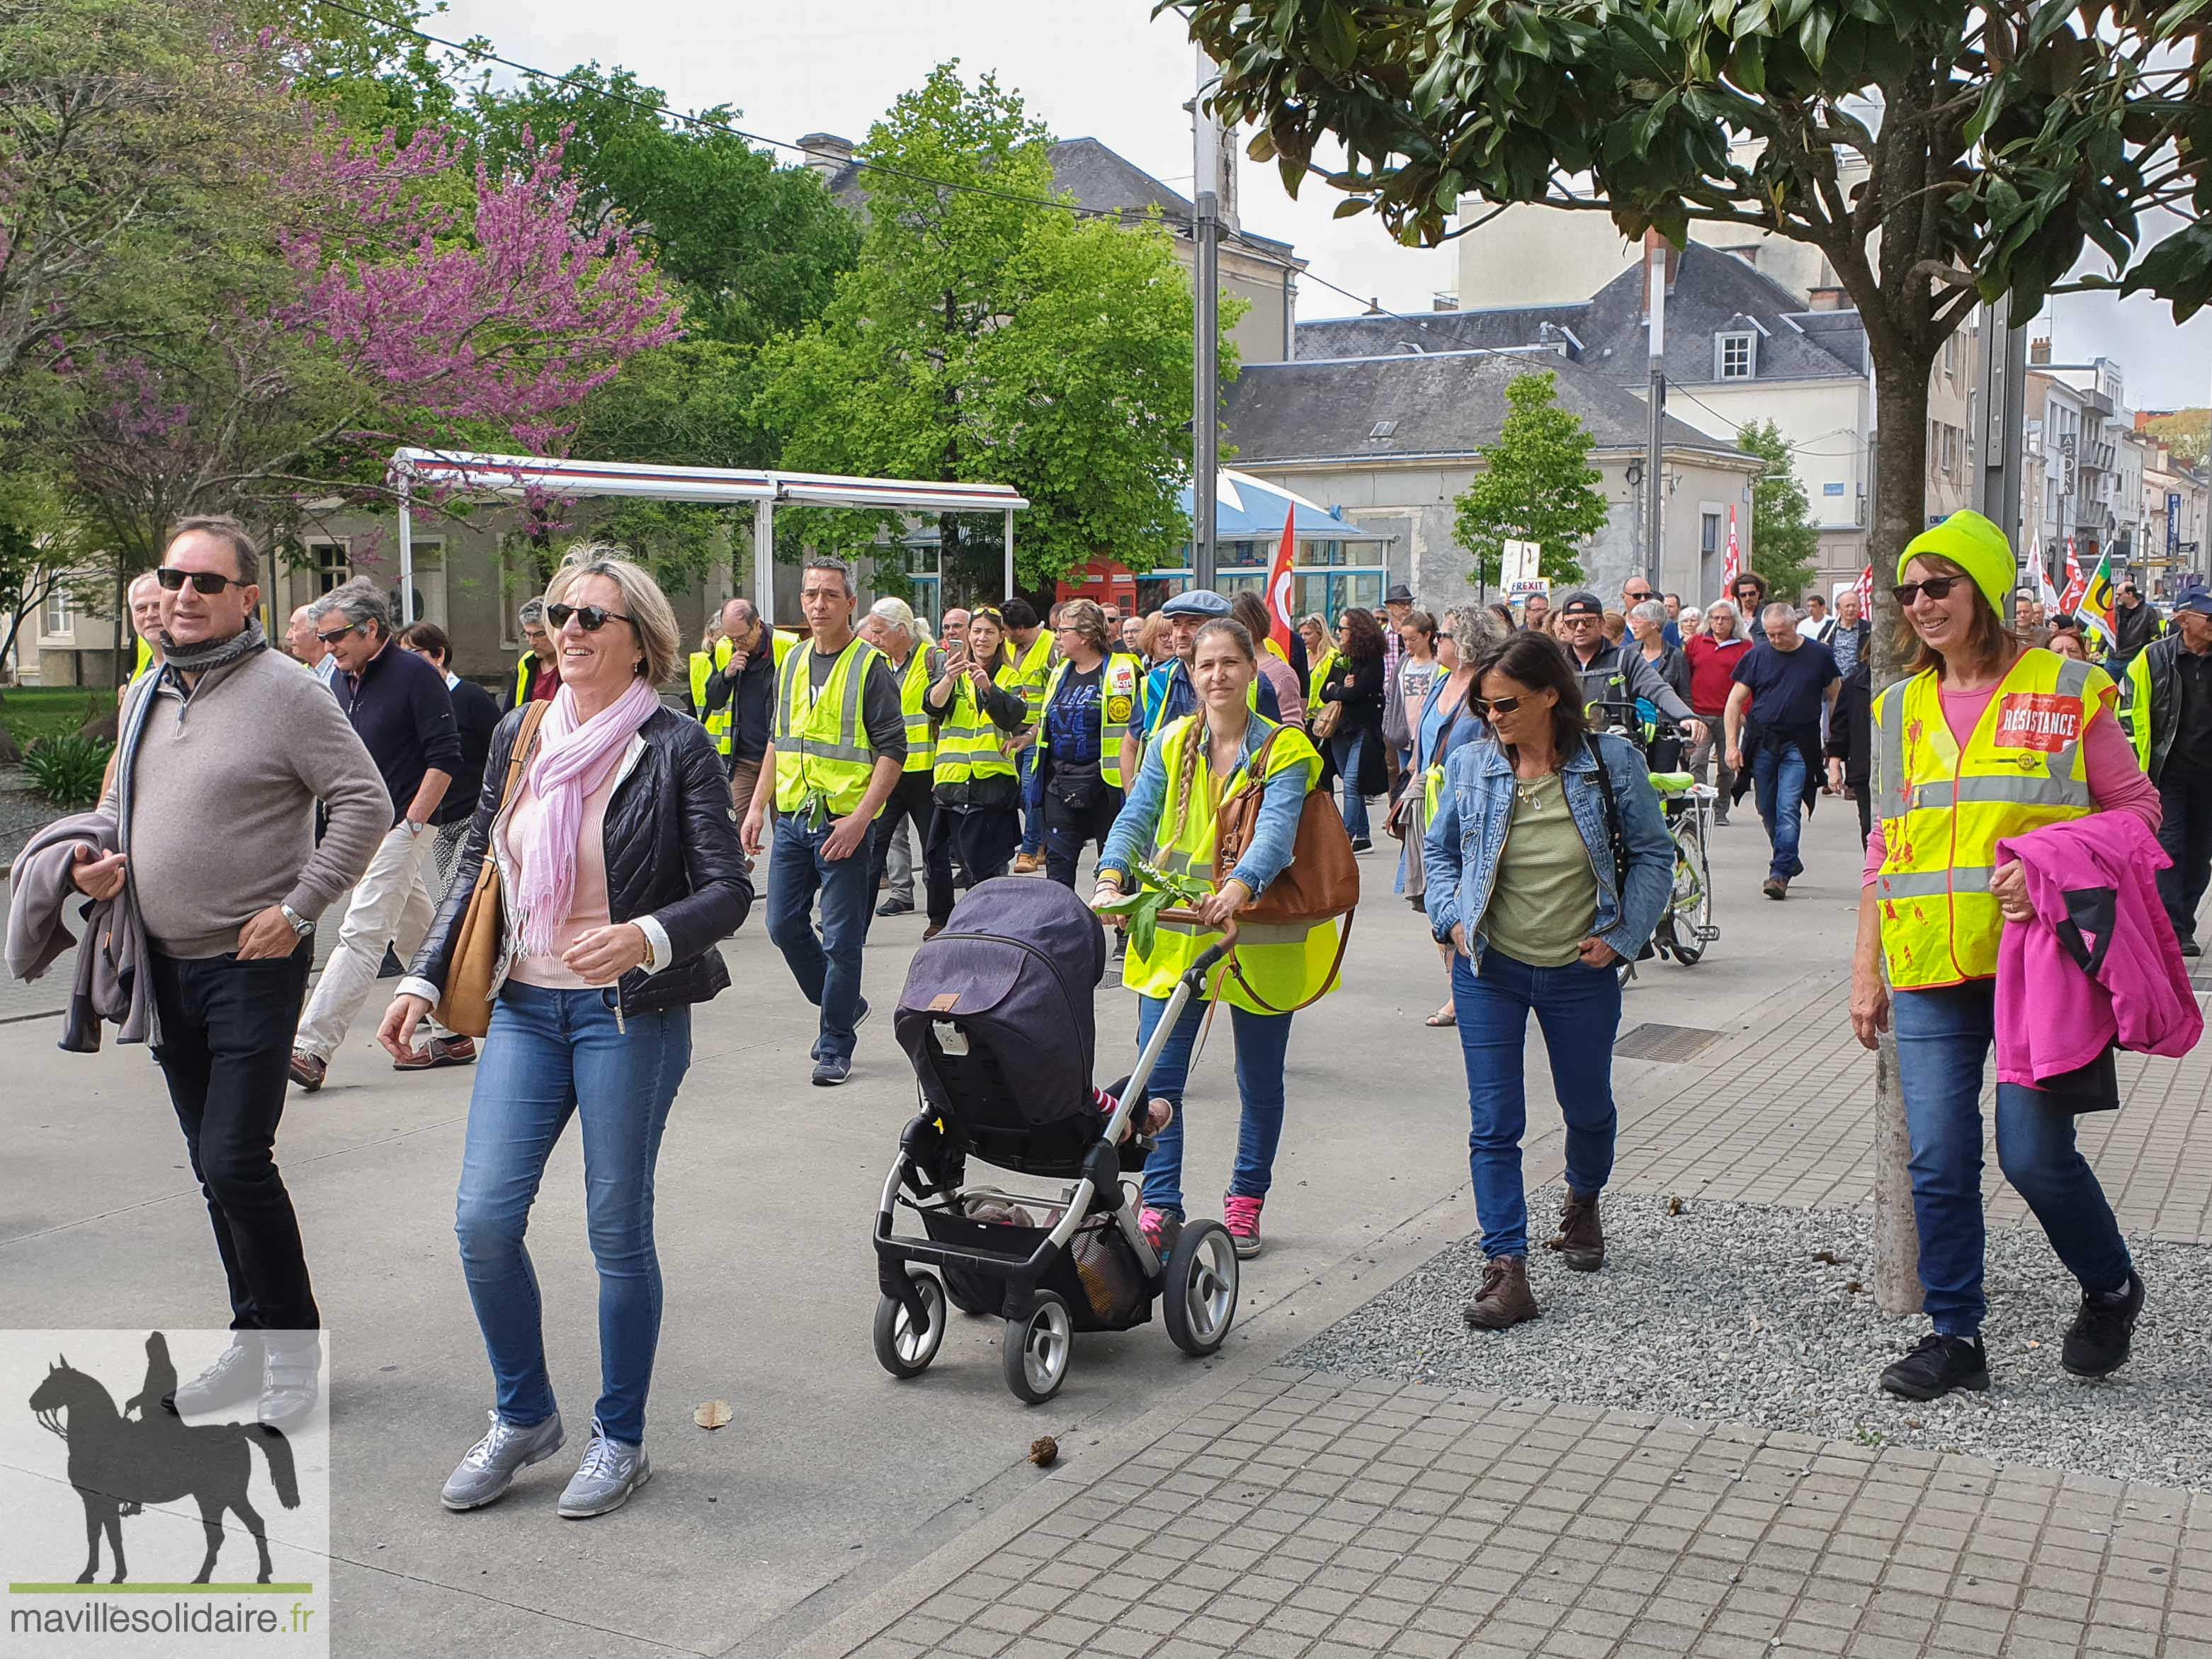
<point>2100,963</point>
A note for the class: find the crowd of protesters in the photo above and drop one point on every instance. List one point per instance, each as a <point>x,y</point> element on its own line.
<point>1515,751</point>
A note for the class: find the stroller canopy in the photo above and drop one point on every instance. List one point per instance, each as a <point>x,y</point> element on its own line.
<point>1018,967</point>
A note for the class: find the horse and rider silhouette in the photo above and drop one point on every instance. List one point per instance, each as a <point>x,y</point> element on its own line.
<point>118,1464</point>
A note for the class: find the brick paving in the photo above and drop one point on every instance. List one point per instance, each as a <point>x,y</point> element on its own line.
<point>1304,1516</point>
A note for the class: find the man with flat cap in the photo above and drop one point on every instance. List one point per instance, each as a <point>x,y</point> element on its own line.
<point>1168,694</point>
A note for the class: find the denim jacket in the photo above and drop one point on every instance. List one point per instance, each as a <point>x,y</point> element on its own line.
<point>1135,834</point>
<point>1466,840</point>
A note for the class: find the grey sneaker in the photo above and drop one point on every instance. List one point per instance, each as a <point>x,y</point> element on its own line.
<point>234,1379</point>
<point>290,1378</point>
<point>489,1467</point>
<point>609,1473</point>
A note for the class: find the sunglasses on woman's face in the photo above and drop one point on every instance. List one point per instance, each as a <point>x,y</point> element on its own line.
<point>204,581</point>
<point>1936,587</point>
<point>1489,709</point>
<point>589,618</point>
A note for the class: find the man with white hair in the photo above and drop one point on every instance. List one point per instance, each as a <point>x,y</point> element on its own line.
<point>1776,711</point>
<point>145,596</point>
<point>890,628</point>
<point>537,675</point>
<point>398,706</point>
<point>300,637</point>
<point>1713,654</point>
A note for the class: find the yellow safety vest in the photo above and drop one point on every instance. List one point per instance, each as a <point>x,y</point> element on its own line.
<point>1117,701</point>
<point>1943,810</point>
<point>921,746</point>
<point>1317,676</point>
<point>1029,672</point>
<point>718,722</point>
<point>525,672</point>
<point>143,661</point>
<point>821,744</point>
<point>1286,965</point>
<point>969,743</point>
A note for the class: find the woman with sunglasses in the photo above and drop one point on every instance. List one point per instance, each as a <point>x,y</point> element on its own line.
<point>619,869</point>
<point>1988,738</point>
<point>1548,862</point>
<point>977,704</point>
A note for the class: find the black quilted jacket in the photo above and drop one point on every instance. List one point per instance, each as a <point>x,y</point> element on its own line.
<point>672,852</point>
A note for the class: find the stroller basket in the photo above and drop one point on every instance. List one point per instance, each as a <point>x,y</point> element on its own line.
<point>1098,1274</point>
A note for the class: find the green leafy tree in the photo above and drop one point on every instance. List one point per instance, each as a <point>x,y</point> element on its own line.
<point>2185,432</point>
<point>1536,485</point>
<point>1937,155</point>
<point>985,337</point>
<point>1785,543</point>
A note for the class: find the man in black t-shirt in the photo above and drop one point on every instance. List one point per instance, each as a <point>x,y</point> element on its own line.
<point>1783,688</point>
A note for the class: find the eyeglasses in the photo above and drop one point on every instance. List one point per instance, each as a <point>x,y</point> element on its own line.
<point>335,634</point>
<point>1442,637</point>
<point>589,618</point>
<point>1491,708</point>
<point>203,581</point>
<point>1936,587</point>
<point>1637,599</point>
<point>1573,617</point>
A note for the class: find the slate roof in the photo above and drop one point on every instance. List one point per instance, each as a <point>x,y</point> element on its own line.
<point>1713,292</point>
<point>1444,404</point>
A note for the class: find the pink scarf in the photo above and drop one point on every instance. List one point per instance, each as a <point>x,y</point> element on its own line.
<point>572,761</point>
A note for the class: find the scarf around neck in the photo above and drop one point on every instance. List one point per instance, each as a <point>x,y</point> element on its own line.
<point>574,759</point>
<point>213,653</point>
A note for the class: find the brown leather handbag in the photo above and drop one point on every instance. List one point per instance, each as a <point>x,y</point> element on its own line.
<point>1319,883</point>
<point>467,1006</point>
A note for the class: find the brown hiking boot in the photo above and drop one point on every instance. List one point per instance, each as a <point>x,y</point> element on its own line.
<point>1581,1243</point>
<point>1505,1299</point>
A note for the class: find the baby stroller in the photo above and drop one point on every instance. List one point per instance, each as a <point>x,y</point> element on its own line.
<point>996,1017</point>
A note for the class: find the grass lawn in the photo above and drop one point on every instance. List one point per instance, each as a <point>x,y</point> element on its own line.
<point>30,713</point>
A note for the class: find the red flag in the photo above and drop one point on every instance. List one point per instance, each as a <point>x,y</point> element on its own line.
<point>1733,566</point>
<point>1866,591</point>
<point>1278,584</point>
<point>2077,585</point>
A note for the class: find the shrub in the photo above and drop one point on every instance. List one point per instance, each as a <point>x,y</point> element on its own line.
<point>66,772</point>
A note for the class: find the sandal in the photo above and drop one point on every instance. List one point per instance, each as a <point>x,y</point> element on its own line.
<point>1445,1015</point>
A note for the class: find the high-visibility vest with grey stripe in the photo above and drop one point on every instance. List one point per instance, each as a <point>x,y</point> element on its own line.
<point>821,742</point>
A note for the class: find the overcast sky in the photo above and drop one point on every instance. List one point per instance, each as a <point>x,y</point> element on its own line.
<point>1105,69</point>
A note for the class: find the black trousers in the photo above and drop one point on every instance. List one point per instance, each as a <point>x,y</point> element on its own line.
<point>909,799</point>
<point>985,839</point>
<point>1066,829</point>
<point>227,1030</point>
<point>2185,834</point>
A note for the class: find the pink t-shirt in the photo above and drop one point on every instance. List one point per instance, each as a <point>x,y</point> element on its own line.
<point>2116,784</point>
<point>587,909</point>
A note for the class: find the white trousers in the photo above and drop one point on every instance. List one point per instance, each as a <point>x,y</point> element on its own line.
<point>391,906</point>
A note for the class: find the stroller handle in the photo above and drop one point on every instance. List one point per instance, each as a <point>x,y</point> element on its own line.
<point>1213,953</point>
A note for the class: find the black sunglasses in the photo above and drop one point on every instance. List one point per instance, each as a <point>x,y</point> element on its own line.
<point>203,581</point>
<point>1490,707</point>
<point>1936,587</point>
<point>335,634</point>
<point>590,618</point>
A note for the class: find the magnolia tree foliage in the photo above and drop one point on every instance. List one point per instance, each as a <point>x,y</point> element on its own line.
<point>1536,485</point>
<point>986,337</point>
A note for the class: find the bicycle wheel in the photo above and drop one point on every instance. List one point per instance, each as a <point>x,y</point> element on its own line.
<point>1694,891</point>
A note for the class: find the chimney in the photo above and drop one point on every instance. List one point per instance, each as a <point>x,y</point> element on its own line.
<point>1652,239</point>
<point>2039,351</point>
<point>1444,302</point>
<point>1825,299</point>
<point>827,154</point>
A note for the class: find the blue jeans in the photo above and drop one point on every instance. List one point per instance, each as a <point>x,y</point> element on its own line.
<point>1944,1037</point>
<point>827,965</point>
<point>1025,766</point>
<point>1348,751</point>
<point>552,1056</point>
<point>1578,1009</point>
<point>1262,1041</point>
<point>1777,777</point>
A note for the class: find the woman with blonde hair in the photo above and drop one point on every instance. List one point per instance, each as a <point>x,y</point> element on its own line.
<point>619,869</point>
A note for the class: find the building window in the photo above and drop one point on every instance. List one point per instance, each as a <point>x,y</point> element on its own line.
<point>1709,532</point>
<point>57,617</point>
<point>333,563</point>
<point>1735,357</point>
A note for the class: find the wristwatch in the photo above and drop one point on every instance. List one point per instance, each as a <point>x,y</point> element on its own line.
<point>301,926</point>
<point>413,828</point>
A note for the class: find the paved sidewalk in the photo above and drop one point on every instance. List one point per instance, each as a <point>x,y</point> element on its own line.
<point>1303,1516</point>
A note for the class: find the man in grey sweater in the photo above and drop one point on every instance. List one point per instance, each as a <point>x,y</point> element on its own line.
<point>226,752</point>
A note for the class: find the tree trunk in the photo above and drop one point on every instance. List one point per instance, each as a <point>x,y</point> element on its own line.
<point>1901,512</point>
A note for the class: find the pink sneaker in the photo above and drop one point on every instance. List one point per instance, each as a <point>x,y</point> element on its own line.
<point>1240,1216</point>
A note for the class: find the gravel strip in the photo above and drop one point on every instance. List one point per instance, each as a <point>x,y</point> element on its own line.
<point>20,811</point>
<point>1745,1314</point>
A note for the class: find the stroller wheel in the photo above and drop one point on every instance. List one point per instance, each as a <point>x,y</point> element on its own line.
<point>1200,1298</point>
<point>1035,1354</point>
<point>901,1348</point>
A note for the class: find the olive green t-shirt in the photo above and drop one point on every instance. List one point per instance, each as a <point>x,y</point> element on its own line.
<point>1544,899</point>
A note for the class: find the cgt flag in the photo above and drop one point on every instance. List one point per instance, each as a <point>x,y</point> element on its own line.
<point>1866,593</point>
<point>1278,584</point>
<point>1731,567</point>
<point>2077,583</point>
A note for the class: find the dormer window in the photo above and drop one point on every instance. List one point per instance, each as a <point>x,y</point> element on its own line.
<point>1735,356</point>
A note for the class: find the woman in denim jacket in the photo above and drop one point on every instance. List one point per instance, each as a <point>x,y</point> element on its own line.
<point>1526,865</point>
